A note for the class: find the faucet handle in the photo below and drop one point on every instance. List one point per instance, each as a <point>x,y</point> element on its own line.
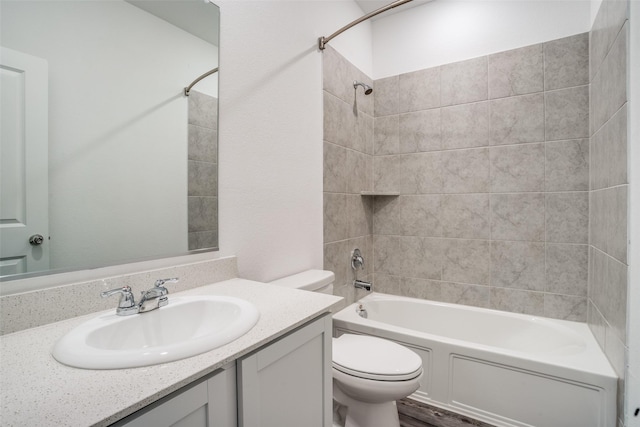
<point>357,261</point>
<point>160,282</point>
<point>127,304</point>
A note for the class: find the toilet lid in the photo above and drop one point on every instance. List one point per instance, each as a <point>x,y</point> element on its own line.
<point>374,358</point>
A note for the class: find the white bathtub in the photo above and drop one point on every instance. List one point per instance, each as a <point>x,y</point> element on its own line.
<point>503,368</point>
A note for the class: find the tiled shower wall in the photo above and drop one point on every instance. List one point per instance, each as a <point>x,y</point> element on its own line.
<point>203,171</point>
<point>491,160</point>
<point>609,184</point>
<point>490,157</point>
<point>348,168</point>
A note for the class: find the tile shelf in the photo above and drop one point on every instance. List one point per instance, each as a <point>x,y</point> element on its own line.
<point>379,193</point>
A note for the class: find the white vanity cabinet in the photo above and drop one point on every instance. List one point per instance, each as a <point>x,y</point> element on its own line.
<point>209,402</point>
<point>285,383</point>
<point>288,382</point>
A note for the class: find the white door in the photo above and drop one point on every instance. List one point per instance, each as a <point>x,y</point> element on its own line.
<point>24,175</point>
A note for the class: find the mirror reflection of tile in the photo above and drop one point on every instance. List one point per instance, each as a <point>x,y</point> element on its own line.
<point>203,171</point>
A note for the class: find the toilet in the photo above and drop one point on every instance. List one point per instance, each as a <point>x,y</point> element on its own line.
<point>369,373</point>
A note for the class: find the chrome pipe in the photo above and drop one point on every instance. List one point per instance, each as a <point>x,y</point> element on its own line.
<point>208,73</point>
<point>322,41</point>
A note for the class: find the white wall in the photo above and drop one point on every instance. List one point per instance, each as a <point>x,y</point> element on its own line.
<point>114,181</point>
<point>271,154</point>
<point>445,31</point>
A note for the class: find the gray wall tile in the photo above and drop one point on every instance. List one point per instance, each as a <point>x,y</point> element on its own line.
<point>408,216</point>
<point>465,171</point>
<point>335,217</point>
<point>335,168</point>
<point>465,216</point>
<point>203,144</point>
<point>567,165</point>
<point>567,269</point>
<point>517,168</point>
<point>203,239</point>
<point>386,135</point>
<point>596,322</point>
<point>459,293</point>
<point>419,131</point>
<point>421,173</point>
<point>363,133</point>
<point>421,257</point>
<point>385,96</point>
<point>203,110</point>
<point>421,288</point>
<point>387,284</point>
<point>517,119</point>
<point>465,126</point>
<point>200,213</point>
<point>338,124</point>
<point>565,307</point>
<point>518,217</point>
<point>566,62</point>
<point>203,179</point>
<point>336,259</point>
<point>567,217</point>
<point>359,216</point>
<point>419,90</point>
<point>516,72</point>
<point>609,85</point>
<point>335,74</point>
<point>608,289</point>
<point>610,18</point>
<point>517,301</point>
<point>609,153</point>
<point>358,174</point>
<point>386,173</point>
<point>567,113</point>
<point>408,256</point>
<point>464,81</point>
<point>608,221</point>
<point>614,348</point>
<point>518,265</point>
<point>466,261</point>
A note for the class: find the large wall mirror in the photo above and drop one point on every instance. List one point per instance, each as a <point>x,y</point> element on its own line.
<point>104,159</point>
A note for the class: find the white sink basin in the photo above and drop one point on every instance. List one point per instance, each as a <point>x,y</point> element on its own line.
<point>186,327</point>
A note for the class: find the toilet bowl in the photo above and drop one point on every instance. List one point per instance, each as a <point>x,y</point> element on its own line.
<point>369,373</point>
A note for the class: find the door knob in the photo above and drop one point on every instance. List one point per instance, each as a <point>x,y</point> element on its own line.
<point>36,239</point>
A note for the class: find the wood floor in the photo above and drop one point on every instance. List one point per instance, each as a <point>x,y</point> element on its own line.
<point>416,414</point>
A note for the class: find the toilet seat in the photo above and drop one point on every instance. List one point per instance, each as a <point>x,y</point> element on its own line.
<point>375,358</point>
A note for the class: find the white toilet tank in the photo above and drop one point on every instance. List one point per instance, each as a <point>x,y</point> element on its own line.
<point>310,280</point>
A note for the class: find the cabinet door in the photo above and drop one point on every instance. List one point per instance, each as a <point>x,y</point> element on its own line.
<point>209,403</point>
<point>288,383</point>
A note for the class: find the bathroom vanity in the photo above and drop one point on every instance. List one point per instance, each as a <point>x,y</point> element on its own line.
<point>285,357</point>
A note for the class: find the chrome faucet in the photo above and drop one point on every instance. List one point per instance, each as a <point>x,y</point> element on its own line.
<point>357,263</point>
<point>155,297</point>
<point>361,284</point>
<point>127,304</point>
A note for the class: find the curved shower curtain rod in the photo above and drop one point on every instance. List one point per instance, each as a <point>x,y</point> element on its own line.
<point>322,41</point>
<point>208,73</point>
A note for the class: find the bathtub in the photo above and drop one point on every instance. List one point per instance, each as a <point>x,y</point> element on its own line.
<point>502,368</point>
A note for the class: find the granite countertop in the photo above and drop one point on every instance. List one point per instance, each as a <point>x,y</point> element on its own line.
<point>37,390</point>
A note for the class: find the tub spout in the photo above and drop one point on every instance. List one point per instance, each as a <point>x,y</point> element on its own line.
<point>361,284</point>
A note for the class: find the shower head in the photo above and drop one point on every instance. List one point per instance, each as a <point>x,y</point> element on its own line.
<point>367,89</point>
